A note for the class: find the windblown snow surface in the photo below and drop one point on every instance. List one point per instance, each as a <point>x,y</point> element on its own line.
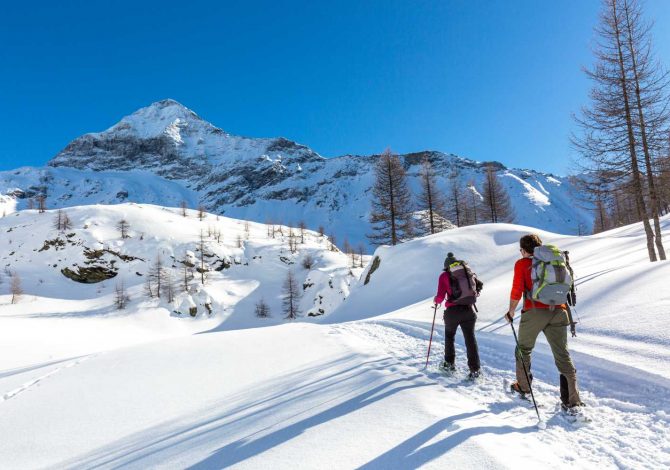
<point>84,386</point>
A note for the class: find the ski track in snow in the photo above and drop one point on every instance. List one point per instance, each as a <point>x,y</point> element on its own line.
<point>621,434</point>
<point>36,381</point>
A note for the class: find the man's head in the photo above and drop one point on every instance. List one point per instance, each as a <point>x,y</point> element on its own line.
<point>529,242</point>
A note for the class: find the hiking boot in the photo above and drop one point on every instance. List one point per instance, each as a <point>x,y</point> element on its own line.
<point>574,408</point>
<point>516,388</point>
<point>474,374</point>
<point>448,367</point>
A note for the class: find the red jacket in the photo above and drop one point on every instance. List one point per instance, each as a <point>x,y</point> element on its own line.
<point>443,290</point>
<point>523,283</point>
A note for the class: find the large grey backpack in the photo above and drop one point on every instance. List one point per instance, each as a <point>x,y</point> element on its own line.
<point>551,276</point>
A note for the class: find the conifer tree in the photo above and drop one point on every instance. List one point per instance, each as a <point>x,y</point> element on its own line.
<point>203,266</point>
<point>15,288</point>
<point>431,200</point>
<point>391,215</point>
<point>58,220</point>
<point>456,200</point>
<point>496,200</point>
<point>650,101</point>
<point>123,226</point>
<point>155,278</point>
<point>121,297</point>
<point>624,105</point>
<point>291,296</point>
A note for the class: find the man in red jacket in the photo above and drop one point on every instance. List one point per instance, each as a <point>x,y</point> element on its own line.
<point>537,317</point>
<point>455,316</point>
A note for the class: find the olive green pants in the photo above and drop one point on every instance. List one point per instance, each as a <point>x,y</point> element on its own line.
<point>554,326</point>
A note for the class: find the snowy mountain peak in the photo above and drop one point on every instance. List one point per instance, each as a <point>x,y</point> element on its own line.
<point>166,152</point>
<point>171,140</point>
<point>165,117</point>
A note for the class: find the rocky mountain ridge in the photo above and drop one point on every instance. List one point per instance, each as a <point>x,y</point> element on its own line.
<point>165,154</point>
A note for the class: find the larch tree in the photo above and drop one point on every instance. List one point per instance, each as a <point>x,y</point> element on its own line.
<point>169,285</point>
<point>650,84</point>
<point>121,297</point>
<point>391,215</point>
<point>122,226</point>
<point>15,288</point>
<point>302,226</point>
<point>66,222</point>
<point>609,140</point>
<point>41,204</point>
<point>431,200</point>
<point>495,198</point>
<point>155,278</point>
<point>455,199</point>
<point>187,276</point>
<point>202,269</point>
<point>291,296</point>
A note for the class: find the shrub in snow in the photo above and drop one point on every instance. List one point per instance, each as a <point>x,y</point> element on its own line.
<point>121,297</point>
<point>262,309</point>
<point>308,261</point>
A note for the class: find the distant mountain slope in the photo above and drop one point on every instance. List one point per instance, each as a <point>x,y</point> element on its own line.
<point>165,153</point>
<point>86,262</point>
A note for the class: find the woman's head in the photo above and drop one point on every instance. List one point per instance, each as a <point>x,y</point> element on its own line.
<point>529,242</point>
<point>449,260</point>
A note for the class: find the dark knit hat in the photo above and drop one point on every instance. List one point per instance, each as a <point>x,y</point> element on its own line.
<point>449,260</point>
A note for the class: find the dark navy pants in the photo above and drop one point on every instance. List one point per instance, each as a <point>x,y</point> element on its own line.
<point>465,317</point>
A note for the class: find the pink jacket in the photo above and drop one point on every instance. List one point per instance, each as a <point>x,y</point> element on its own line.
<point>443,290</point>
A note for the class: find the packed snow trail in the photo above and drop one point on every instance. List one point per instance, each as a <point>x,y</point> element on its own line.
<point>307,396</point>
<point>630,409</point>
<point>303,396</point>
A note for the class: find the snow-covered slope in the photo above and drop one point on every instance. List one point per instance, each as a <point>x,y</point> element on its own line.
<point>83,386</point>
<point>74,272</point>
<point>622,306</point>
<point>165,153</point>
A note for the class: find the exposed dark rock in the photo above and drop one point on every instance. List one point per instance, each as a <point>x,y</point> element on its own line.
<point>89,274</point>
<point>373,267</point>
<point>57,243</point>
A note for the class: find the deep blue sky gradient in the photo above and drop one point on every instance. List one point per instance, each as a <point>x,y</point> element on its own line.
<point>489,80</point>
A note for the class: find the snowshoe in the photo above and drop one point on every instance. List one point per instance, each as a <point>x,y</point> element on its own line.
<point>474,375</point>
<point>447,368</point>
<point>575,413</point>
<point>515,389</point>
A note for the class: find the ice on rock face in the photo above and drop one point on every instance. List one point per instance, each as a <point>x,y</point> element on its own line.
<point>173,130</point>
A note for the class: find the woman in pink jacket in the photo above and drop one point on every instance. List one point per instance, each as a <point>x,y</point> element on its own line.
<point>455,316</point>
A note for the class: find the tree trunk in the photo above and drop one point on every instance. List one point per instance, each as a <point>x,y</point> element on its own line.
<point>394,235</point>
<point>653,196</point>
<point>637,180</point>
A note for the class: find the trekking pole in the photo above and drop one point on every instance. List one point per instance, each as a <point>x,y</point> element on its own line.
<point>525,371</point>
<point>430,342</point>
<point>488,325</point>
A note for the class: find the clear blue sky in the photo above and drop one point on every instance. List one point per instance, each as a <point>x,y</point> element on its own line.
<point>489,80</point>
